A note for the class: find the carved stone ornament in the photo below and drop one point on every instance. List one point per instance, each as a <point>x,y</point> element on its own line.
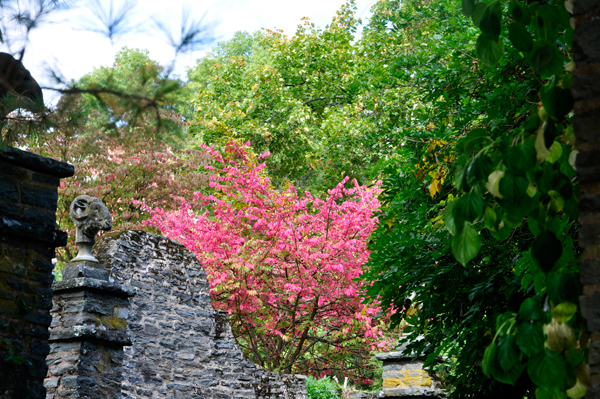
<point>90,215</point>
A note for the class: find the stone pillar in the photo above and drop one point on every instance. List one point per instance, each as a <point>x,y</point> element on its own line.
<point>87,335</point>
<point>28,199</point>
<point>404,377</point>
<point>586,123</point>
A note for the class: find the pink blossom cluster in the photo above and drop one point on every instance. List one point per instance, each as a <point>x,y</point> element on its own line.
<point>284,266</point>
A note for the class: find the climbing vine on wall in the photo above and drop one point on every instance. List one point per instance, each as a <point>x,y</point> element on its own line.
<point>525,176</point>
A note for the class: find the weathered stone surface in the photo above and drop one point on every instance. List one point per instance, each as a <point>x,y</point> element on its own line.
<point>90,216</point>
<point>85,269</point>
<point>586,92</point>
<point>94,284</point>
<point>590,309</point>
<point>38,163</point>
<point>88,332</point>
<point>27,242</point>
<point>27,231</point>
<point>587,36</point>
<point>182,347</point>
<point>404,376</point>
<point>585,6</point>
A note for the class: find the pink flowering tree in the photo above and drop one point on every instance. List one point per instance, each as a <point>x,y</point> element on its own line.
<point>285,267</point>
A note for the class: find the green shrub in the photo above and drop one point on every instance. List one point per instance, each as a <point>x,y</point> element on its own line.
<point>325,388</point>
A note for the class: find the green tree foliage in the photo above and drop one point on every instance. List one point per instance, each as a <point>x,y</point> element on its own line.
<point>120,94</point>
<point>495,98</point>
<point>308,99</point>
<point>248,46</point>
<point>532,181</point>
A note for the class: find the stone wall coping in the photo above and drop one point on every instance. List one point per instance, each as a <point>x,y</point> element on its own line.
<point>392,356</point>
<point>95,284</point>
<point>37,163</point>
<point>94,332</point>
<point>389,356</point>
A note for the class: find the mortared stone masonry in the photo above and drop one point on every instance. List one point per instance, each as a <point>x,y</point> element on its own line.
<point>586,123</point>
<point>182,347</point>
<point>28,198</point>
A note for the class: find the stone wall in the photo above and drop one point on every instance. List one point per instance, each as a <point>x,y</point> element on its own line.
<point>28,197</point>
<point>586,123</point>
<point>182,347</point>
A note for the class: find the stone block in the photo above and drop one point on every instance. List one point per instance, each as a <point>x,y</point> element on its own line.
<point>57,347</point>
<point>45,179</point>
<point>85,269</point>
<point>51,383</point>
<point>11,210</point>
<point>585,125</point>
<point>69,382</point>
<point>590,309</point>
<point>40,348</point>
<point>9,190</point>
<point>63,368</point>
<point>41,196</point>
<point>585,6</point>
<point>45,219</point>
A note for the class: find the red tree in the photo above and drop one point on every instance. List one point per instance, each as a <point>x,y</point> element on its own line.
<point>130,166</point>
<point>285,267</point>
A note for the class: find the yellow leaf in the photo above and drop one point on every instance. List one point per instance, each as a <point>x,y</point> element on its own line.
<point>435,187</point>
<point>412,310</point>
<point>493,183</point>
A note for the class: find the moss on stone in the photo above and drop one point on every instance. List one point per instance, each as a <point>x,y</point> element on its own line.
<point>113,322</point>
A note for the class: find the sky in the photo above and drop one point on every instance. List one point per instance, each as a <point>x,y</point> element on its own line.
<point>66,47</point>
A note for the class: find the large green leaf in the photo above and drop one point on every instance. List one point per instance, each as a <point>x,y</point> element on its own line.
<point>520,158</point>
<point>513,188</point>
<point>547,369</point>
<point>483,10</point>
<point>558,102</point>
<point>530,309</point>
<point>509,376</point>
<point>467,7</point>
<point>489,51</point>
<point>490,26</point>
<point>470,206</point>
<point>519,12</point>
<point>478,170</point>
<point>563,287</point>
<point>504,322</point>
<point>508,352</point>
<point>474,140</point>
<point>488,364</point>
<point>460,174</point>
<point>520,37</point>
<point>546,59</point>
<point>546,249</point>
<point>530,338</point>
<point>466,244</point>
<point>549,393</point>
<point>548,19</point>
<point>452,218</point>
